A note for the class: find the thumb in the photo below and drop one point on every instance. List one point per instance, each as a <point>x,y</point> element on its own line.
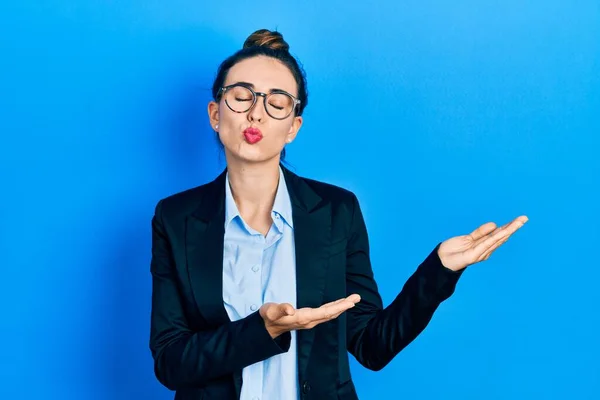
<point>286,309</point>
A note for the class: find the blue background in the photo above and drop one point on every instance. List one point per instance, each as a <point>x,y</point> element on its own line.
<point>439,115</point>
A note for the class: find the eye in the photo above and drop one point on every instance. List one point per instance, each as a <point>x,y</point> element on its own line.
<point>276,106</point>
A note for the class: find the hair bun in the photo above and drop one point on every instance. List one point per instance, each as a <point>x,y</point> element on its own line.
<point>266,38</point>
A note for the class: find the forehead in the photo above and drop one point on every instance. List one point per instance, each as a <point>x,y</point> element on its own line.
<point>265,73</point>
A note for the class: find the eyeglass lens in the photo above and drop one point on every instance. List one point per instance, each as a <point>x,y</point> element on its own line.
<point>240,99</point>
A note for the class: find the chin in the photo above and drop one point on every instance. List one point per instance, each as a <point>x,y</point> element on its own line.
<point>253,154</point>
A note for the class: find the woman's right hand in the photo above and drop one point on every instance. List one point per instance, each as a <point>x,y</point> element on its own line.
<point>282,317</point>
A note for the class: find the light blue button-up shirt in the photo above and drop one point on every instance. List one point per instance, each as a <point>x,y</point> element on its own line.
<point>257,270</point>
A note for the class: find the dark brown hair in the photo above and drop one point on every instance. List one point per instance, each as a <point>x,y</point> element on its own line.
<point>264,42</point>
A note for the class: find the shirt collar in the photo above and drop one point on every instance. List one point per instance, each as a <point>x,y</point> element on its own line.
<point>282,204</point>
<point>231,210</point>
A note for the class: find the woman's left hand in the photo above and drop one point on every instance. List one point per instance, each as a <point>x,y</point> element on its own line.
<point>461,251</point>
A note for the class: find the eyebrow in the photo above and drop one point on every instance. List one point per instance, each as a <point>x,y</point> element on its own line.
<point>251,85</point>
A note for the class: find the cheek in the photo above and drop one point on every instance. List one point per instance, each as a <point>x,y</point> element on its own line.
<point>283,130</point>
<point>230,124</point>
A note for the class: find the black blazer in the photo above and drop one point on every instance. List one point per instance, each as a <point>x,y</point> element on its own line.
<point>200,353</point>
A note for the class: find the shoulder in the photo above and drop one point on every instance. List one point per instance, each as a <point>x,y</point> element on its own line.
<point>343,207</point>
<point>184,202</point>
<point>330,192</point>
<point>181,204</point>
<point>342,201</point>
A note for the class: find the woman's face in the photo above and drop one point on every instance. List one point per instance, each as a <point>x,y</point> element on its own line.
<point>255,136</point>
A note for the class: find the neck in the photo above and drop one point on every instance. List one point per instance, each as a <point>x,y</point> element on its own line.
<point>254,185</point>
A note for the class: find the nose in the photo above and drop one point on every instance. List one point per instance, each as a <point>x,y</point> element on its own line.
<point>257,112</point>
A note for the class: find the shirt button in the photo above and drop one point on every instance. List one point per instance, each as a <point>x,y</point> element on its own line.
<point>254,307</point>
<point>255,268</point>
<point>305,387</point>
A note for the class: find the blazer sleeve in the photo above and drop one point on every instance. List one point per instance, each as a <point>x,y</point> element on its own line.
<point>375,335</point>
<point>187,358</point>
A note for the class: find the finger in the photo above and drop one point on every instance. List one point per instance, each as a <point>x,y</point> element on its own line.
<point>334,302</point>
<point>277,311</point>
<point>287,309</point>
<point>354,298</point>
<point>310,317</point>
<point>272,312</point>
<point>483,230</point>
<point>324,313</point>
<point>515,225</point>
<point>523,219</point>
<point>486,243</point>
<point>489,252</point>
<point>325,317</point>
<point>331,311</point>
<point>489,244</point>
<point>340,312</point>
<point>495,231</point>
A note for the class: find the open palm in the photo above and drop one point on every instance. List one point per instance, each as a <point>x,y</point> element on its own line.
<point>461,251</point>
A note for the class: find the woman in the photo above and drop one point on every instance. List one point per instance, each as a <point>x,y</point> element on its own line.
<point>262,281</point>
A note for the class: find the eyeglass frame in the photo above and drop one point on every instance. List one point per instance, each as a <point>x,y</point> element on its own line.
<point>255,95</point>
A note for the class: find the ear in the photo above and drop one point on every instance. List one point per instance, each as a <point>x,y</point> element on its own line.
<point>213,114</point>
<point>294,128</point>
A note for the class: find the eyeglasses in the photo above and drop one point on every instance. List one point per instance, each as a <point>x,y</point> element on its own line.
<point>241,98</point>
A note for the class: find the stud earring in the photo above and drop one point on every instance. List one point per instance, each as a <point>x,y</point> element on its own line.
<point>217,127</point>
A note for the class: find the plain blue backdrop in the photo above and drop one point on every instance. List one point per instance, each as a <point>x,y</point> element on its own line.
<point>467,112</point>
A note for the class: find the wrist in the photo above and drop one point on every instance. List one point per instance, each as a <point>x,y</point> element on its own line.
<point>274,331</point>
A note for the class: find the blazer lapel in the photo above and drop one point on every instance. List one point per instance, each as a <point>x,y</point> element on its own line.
<point>204,249</point>
<point>205,231</point>
<point>312,230</point>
